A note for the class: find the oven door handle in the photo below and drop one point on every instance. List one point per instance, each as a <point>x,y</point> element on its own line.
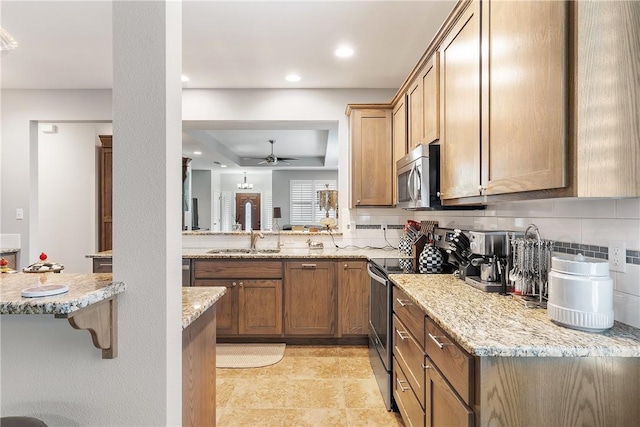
<point>376,277</point>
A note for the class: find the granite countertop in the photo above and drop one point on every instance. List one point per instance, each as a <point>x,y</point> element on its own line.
<point>488,324</point>
<point>9,250</point>
<point>197,300</point>
<point>84,290</point>
<point>326,252</point>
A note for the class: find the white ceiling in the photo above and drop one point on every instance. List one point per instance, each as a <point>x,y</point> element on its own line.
<point>233,44</point>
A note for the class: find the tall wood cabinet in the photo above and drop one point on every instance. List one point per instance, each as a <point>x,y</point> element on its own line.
<point>311,300</point>
<point>460,103</point>
<point>105,197</point>
<point>423,104</point>
<point>371,156</point>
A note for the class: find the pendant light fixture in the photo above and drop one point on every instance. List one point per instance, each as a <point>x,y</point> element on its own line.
<point>244,185</point>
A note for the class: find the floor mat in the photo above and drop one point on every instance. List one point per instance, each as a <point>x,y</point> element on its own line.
<point>248,355</point>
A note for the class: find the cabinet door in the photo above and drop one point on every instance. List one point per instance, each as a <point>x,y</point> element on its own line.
<point>353,297</point>
<point>444,407</point>
<point>414,101</point>
<point>460,103</point>
<point>399,140</point>
<point>226,306</point>
<point>525,98</point>
<point>431,100</point>
<point>106,193</point>
<point>259,307</point>
<point>310,298</point>
<point>371,156</point>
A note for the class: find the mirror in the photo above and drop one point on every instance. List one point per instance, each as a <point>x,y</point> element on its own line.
<point>231,165</point>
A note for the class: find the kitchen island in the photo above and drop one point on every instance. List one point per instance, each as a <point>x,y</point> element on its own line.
<point>199,355</point>
<point>514,366</point>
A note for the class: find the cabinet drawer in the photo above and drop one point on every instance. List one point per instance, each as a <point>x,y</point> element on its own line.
<point>254,269</point>
<point>444,407</point>
<point>410,356</point>
<point>454,363</point>
<point>103,265</point>
<point>412,413</point>
<point>410,314</point>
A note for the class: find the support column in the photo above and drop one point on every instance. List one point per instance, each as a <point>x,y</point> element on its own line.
<point>147,106</point>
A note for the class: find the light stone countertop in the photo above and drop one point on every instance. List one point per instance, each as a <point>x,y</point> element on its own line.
<point>9,250</point>
<point>197,300</point>
<point>84,290</point>
<point>326,252</point>
<point>489,324</point>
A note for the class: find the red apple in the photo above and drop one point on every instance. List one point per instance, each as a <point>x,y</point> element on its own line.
<point>3,262</point>
<point>43,256</point>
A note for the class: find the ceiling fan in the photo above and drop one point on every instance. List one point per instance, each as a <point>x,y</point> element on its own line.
<point>272,159</point>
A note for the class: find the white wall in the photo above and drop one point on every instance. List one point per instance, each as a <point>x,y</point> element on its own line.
<point>67,193</point>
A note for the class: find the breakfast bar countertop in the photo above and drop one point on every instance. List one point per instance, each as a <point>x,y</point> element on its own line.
<point>489,324</point>
<point>197,300</point>
<point>84,290</point>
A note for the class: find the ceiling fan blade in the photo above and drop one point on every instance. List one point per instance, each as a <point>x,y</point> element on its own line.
<point>287,158</point>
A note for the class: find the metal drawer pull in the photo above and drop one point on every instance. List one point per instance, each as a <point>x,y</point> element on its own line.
<point>438,342</point>
<point>184,267</point>
<point>402,389</point>
<point>402,334</point>
<point>106,264</point>
<point>233,284</point>
<point>308,265</point>
<point>425,366</point>
<point>403,302</point>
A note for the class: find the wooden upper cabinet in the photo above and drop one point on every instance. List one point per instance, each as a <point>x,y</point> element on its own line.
<point>399,139</point>
<point>371,156</point>
<point>106,193</point>
<point>414,104</point>
<point>430,78</point>
<point>460,106</point>
<point>524,96</point>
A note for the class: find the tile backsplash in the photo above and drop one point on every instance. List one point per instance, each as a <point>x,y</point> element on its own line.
<point>576,225</point>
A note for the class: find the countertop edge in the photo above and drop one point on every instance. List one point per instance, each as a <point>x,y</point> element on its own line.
<point>524,350</point>
<point>196,301</point>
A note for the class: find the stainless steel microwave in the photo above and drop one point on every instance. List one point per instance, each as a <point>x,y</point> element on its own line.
<point>418,179</point>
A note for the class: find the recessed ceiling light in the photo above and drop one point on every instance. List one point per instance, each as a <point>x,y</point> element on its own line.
<point>197,152</point>
<point>185,79</point>
<point>223,166</point>
<point>344,52</point>
<point>293,78</point>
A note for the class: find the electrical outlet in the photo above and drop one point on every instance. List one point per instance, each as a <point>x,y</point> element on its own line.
<point>384,227</point>
<point>618,256</point>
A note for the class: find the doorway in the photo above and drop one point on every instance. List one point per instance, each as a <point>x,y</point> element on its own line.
<point>248,211</point>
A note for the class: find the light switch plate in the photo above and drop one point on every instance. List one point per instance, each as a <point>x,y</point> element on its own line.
<point>618,256</point>
<point>19,213</point>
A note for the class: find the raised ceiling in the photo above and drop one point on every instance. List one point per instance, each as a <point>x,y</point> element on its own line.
<point>232,44</point>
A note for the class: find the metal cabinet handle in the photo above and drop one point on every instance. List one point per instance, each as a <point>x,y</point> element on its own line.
<point>357,202</point>
<point>403,303</point>
<point>425,366</point>
<point>439,343</point>
<point>241,284</point>
<point>402,334</point>
<point>308,265</point>
<point>346,266</point>
<point>233,284</point>
<point>400,382</point>
<point>106,264</point>
<point>184,267</point>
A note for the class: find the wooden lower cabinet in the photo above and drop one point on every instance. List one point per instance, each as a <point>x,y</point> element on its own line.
<point>443,406</point>
<point>249,307</point>
<point>353,297</point>
<point>412,413</point>
<point>310,298</point>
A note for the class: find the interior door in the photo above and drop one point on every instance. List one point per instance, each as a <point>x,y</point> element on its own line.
<point>248,208</point>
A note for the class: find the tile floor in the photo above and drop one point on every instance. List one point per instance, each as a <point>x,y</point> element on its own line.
<point>310,386</point>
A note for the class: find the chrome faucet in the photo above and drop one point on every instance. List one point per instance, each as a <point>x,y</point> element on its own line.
<point>254,238</point>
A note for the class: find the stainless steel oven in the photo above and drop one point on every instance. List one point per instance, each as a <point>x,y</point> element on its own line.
<point>380,309</point>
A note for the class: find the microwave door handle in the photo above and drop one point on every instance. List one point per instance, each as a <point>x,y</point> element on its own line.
<point>418,186</point>
<point>409,182</point>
